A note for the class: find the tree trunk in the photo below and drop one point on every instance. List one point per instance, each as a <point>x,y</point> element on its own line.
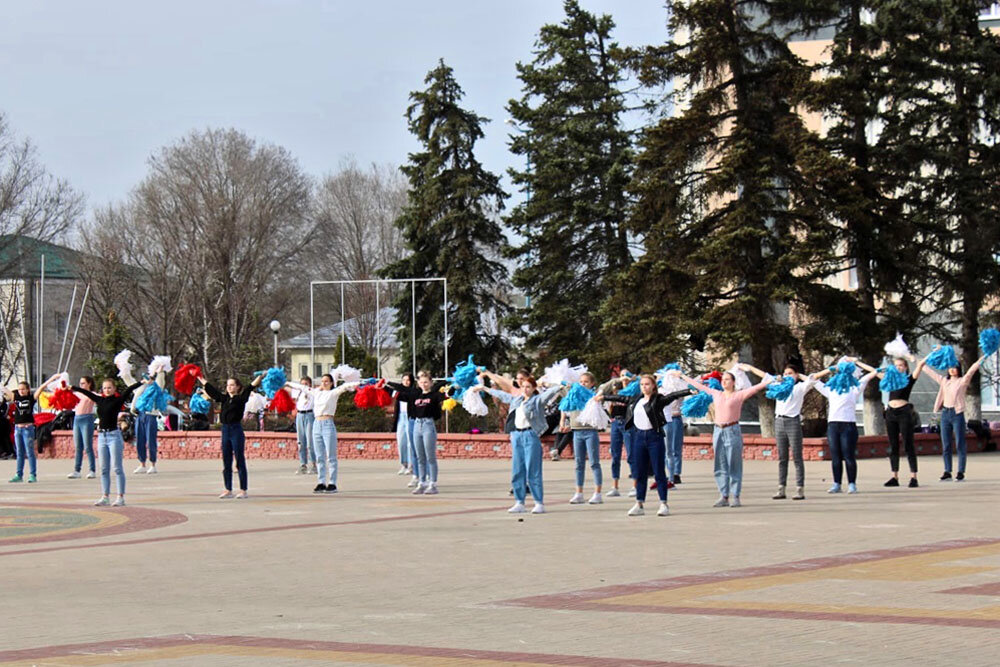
<point>874,416</point>
<point>765,412</point>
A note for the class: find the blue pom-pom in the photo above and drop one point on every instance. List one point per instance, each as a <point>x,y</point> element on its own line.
<point>674,366</point>
<point>632,389</point>
<point>273,381</point>
<point>152,398</point>
<point>466,375</point>
<point>714,384</point>
<point>989,340</point>
<point>199,404</point>
<point>843,380</point>
<point>942,358</point>
<point>696,406</point>
<point>576,398</point>
<point>893,380</point>
<point>782,389</point>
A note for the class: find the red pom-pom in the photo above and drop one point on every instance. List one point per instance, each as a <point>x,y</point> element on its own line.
<point>44,418</point>
<point>282,402</point>
<point>185,377</point>
<point>372,396</point>
<point>713,375</point>
<point>64,399</point>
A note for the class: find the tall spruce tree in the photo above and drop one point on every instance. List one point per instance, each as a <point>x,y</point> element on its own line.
<point>941,124</point>
<point>450,228</point>
<point>732,234</point>
<point>571,238</point>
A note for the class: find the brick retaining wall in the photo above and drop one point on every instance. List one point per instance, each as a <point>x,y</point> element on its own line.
<point>273,445</point>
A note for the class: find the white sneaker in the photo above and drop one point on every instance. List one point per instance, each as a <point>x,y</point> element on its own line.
<point>663,511</point>
<point>636,510</point>
<point>614,493</point>
<point>139,471</point>
<point>517,508</point>
<point>91,475</point>
<point>151,470</point>
<point>413,482</point>
<point>834,489</point>
<point>103,502</point>
<point>73,475</point>
<point>431,489</point>
<point>225,495</point>
<point>401,471</point>
<point>631,493</point>
<point>418,490</point>
<point>595,499</point>
<point>577,499</point>
<point>852,488</point>
<point>538,509</point>
<point>119,502</point>
<point>301,470</point>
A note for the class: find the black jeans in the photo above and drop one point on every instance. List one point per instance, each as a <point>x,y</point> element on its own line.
<point>900,421</point>
<point>233,443</point>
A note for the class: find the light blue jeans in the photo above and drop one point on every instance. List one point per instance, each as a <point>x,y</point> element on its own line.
<point>83,438</point>
<point>403,430</point>
<point>587,445</point>
<point>675,445</point>
<point>24,443</point>
<point>325,444</point>
<point>304,434</point>
<point>953,433</point>
<point>728,445</point>
<point>526,463</point>
<point>412,446</point>
<point>110,448</point>
<point>425,442</point>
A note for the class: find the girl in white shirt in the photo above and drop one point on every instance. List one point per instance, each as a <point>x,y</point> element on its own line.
<point>842,427</point>
<point>324,430</point>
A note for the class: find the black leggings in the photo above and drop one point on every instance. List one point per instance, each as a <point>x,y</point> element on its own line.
<point>900,421</point>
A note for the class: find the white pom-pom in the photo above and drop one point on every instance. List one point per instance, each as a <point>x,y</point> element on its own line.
<point>473,403</point>
<point>742,381</point>
<point>345,373</point>
<point>159,363</point>
<point>671,383</point>
<point>594,415</point>
<point>897,347</point>
<point>561,372</point>
<point>122,360</point>
<point>62,380</point>
<point>255,403</point>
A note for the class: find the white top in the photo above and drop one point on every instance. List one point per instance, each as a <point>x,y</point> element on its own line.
<point>402,408</point>
<point>324,400</point>
<point>792,406</point>
<point>843,406</point>
<point>304,400</point>
<point>521,418</point>
<point>639,417</point>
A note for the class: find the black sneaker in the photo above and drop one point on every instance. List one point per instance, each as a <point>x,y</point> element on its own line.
<point>320,488</point>
<point>331,488</point>
<point>677,479</point>
<point>892,482</point>
<point>913,483</point>
<point>959,477</point>
<point>946,476</point>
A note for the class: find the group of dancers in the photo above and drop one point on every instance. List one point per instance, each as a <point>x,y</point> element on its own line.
<point>647,424</point>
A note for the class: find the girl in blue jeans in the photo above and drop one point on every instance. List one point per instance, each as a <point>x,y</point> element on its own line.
<point>424,409</point>
<point>231,408</point>
<point>586,445</point>
<point>24,429</point>
<point>528,407</point>
<point>842,428</point>
<point>109,437</point>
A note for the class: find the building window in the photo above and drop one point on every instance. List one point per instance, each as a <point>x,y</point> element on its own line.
<point>318,371</point>
<point>303,370</point>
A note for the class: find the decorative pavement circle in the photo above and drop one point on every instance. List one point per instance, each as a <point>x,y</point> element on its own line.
<point>26,523</point>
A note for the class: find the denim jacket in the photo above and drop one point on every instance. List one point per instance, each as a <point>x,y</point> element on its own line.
<point>534,407</point>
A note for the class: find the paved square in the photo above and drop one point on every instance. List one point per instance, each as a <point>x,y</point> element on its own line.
<point>374,575</point>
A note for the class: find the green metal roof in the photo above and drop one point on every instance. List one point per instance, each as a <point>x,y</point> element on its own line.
<point>21,256</point>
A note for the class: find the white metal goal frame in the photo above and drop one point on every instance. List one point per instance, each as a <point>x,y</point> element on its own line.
<point>378,315</point>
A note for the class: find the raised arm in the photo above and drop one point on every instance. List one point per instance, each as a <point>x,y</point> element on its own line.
<point>212,391</point>
<point>497,393</point>
<point>86,392</point>
<point>502,383</point>
<point>696,384</point>
<point>347,386</point>
<point>973,368</point>
<point>41,388</point>
<point>864,366</point>
<point>753,369</point>
<point>130,390</point>
<point>867,378</point>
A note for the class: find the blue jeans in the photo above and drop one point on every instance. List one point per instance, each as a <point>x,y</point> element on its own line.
<point>620,436</point>
<point>953,432</point>
<point>325,444</point>
<point>110,448</point>
<point>587,445</point>
<point>425,442</point>
<point>842,438</point>
<point>83,438</point>
<point>24,443</point>
<point>145,437</point>
<point>647,455</point>
<point>526,463</point>
<point>304,434</point>
<point>403,440</point>
<point>412,446</point>
<point>728,445</point>
<point>675,445</point>
<point>234,444</point>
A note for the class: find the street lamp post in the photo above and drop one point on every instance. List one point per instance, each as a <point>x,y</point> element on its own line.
<point>275,327</point>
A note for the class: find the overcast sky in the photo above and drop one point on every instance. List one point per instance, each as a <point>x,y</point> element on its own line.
<point>98,86</point>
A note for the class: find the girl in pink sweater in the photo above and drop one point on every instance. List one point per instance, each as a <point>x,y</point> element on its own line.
<point>950,402</point>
